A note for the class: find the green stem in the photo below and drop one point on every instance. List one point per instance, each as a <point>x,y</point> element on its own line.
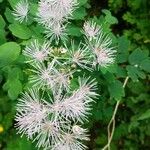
<point>112,122</point>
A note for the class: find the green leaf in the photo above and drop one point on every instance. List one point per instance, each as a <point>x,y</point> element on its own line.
<point>101,140</point>
<point>116,90</point>
<point>109,18</point>
<point>74,84</point>
<point>112,68</point>
<point>145,115</point>
<point>79,14</point>
<point>37,31</point>
<point>14,88</point>
<point>137,56</point>
<point>21,31</point>
<point>2,30</point>
<point>17,143</point>
<point>2,22</point>
<point>109,77</point>
<point>2,36</point>
<point>13,84</point>
<point>134,73</point>
<point>13,2</point>
<point>15,73</point>
<point>123,44</point>
<point>8,15</point>
<point>145,65</point>
<point>9,52</point>
<point>74,31</point>
<point>121,72</point>
<point>123,47</point>
<point>120,131</point>
<point>133,125</point>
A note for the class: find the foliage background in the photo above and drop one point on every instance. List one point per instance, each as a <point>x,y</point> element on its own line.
<point>128,22</point>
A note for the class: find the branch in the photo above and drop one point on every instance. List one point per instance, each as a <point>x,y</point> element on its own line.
<point>112,121</point>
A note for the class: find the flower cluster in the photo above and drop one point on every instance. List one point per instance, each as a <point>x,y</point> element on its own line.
<point>54,15</point>
<point>50,121</point>
<point>52,112</point>
<point>100,44</point>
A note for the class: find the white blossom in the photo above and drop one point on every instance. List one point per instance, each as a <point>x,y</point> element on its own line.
<point>49,122</point>
<point>104,52</point>
<point>89,88</point>
<point>91,30</point>
<point>50,76</point>
<point>100,43</point>
<point>62,79</point>
<point>72,140</point>
<point>80,56</point>
<point>76,106</point>
<point>31,113</point>
<point>50,134</point>
<point>56,32</point>
<point>51,12</point>
<point>54,15</point>
<point>21,10</point>
<point>37,52</point>
<point>43,76</point>
<point>66,5</point>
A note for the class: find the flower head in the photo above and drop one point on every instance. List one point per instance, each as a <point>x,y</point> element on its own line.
<point>91,30</point>
<point>21,10</point>
<point>100,43</point>
<point>76,106</point>
<point>50,122</point>
<point>52,12</point>
<point>80,56</point>
<point>56,32</point>
<point>50,76</point>
<point>72,139</point>
<point>36,52</point>
<point>62,79</point>
<point>50,134</point>
<point>43,76</point>
<point>31,113</point>
<point>105,54</point>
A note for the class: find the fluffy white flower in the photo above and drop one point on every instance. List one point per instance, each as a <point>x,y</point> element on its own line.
<point>88,87</point>
<point>50,134</point>
<point>36,52</point>
<point>43,76</point>
<point>50,122</point>
<point>50,76</point>
<point>51,12</point>
<point>91,30</point>
<point>61,79</point>
<point>47,14</point>
<point>21,10</point>
<point>64,5</point>
<point>100,43</point>
<point>80,56</point>
<point>72,139</point>
<point>105,54</point>
<point>31,113</point>
<point>76,106</point>
<point>54,14</point>
<point>56,32</point>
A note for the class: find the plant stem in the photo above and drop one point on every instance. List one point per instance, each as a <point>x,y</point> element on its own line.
<point>112,121</point>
